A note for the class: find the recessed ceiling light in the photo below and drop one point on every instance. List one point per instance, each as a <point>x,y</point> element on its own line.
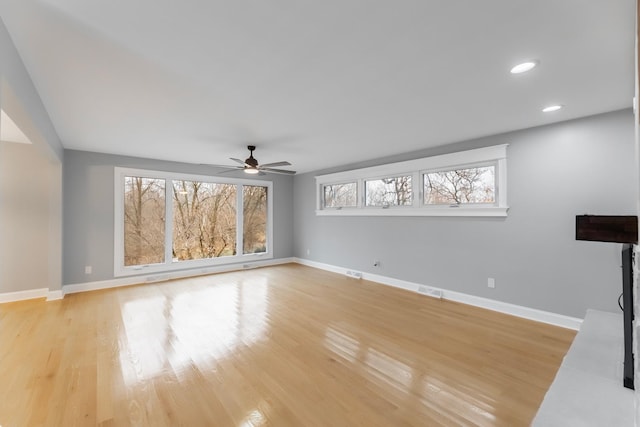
<point>552,108</point>
<point>524,67</point>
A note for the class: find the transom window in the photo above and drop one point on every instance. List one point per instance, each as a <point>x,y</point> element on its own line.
<point>467,183</point>
<point>168,221</point>
<point>475,185</point>
<point>340,195</point>
<point>396,191</point>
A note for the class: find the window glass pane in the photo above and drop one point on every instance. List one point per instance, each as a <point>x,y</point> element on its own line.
<point>254,217</point>
<point>460,186</point>
<point>388,191</point>
<point>340,195</point>
<point>204,220</point>
<point>143,220</point>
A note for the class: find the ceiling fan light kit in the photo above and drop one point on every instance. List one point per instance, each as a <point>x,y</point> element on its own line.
<point>251,164</point>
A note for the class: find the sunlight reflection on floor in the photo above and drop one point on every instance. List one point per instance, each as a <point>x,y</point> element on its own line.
<point>164,333</point>
<point>386,371</point>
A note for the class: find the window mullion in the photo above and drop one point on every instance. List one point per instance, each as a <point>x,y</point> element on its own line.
<point>239,220</point>
<point>168,222</point>
<point>417,188</point>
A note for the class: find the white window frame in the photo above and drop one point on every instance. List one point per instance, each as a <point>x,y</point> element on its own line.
<point>494,155</point>
<point>169,265</point>
<point>337,208</point>
<point>462,167</point>
<point>364,192</point>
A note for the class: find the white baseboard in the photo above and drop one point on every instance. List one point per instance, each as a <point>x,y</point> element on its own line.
<point>24,295</point>
<point>162,277</point>
<point>499,306</point>
<point>55,295</point>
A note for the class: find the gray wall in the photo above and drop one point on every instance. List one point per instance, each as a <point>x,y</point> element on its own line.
<point>89,211</point>
<point>20,100</point>
<point>554,173</point>
<point>24,217</point>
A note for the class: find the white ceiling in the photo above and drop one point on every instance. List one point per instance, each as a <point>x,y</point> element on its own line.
<point>318,83</point>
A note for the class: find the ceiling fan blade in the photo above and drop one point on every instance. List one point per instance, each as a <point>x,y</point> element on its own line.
<point>281,171</point>
<point>270,165</point>
<point>221,166</point>
<point>229,170</point>
<point>239,161</point>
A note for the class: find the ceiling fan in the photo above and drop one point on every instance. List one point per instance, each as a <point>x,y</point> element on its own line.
<point>251,165</point>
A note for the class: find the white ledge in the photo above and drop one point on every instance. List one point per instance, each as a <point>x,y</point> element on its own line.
<point>445,211</point>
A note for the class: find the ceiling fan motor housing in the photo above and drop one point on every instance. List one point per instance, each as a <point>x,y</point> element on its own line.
<point>251,161</point>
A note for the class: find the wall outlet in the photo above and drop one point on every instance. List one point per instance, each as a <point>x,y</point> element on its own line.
<point>88,269</point>
<point>491,282</point>
<point>434,293</point>
<point>308,251</point>
<point>354,274</point>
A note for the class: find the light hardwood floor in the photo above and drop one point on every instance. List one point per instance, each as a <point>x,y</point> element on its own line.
<point>280,346</point>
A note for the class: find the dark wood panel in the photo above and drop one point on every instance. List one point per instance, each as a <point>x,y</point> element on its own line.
<point>607,228</point>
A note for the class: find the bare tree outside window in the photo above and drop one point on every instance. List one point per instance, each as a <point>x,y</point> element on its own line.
<point>166,221</point>
<point>254,217</point>
<point>395,191</point>
<point>204,220</point>
<point>144,220</point>
<point>460,186</point>
<point>340,195</point>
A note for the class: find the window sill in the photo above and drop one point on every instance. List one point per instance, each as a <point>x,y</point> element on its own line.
<point>435,211</point>
<point>204,264</point>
